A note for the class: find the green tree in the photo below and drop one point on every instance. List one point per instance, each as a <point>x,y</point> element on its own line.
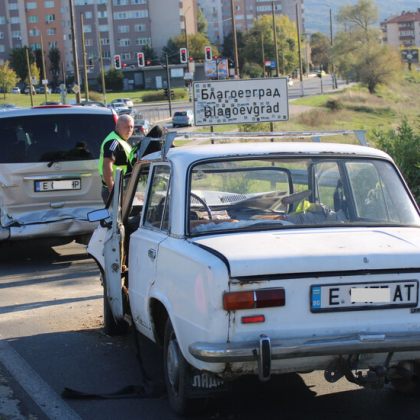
<point>228,46</point>
<point>8,78</point>
<point>202,23</point>
<point>18,61</point>
<point>287,41</point>
<point>54,57</point>
<point>320,45</point>
<point>114,79</point>
<point>171,49</point>
<point>149,53</point>
<point>196,44</point>
<point>358,53</point>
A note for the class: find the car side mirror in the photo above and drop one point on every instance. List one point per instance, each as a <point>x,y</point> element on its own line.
<point>96,215</point>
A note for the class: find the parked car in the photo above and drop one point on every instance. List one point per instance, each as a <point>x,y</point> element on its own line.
<point>8,107</point>
<point>51,103</point>
<point>49,171</point>
<point>126,101</point>
<point>28,89</point>
<point>263,259</point>
<point>142,127</point>
<point>15,90</point>
<point>183,118</point>
<point>289,82</point>
<point>42,89</point>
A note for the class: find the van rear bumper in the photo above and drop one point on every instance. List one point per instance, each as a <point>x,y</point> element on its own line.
<point>68,227</point>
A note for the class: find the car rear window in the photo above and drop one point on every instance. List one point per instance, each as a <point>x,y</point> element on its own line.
<point>180,114</point>
<point>44,138</point>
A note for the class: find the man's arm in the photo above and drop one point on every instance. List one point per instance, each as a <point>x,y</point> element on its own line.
<point>108,173</point>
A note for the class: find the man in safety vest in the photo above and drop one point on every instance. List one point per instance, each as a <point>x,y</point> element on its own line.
<point>114,153</point>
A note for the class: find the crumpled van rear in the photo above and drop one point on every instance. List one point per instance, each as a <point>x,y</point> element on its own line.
<point>49,177</point>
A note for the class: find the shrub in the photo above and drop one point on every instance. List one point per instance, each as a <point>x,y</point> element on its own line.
<point>334,104</point>
<point>250,128</point>
<point>159,95</point>
<point>404,147</point>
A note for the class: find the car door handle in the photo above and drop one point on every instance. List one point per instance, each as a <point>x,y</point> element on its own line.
<point>151,253</point>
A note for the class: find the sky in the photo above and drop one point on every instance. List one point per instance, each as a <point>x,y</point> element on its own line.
<point>317,13</point>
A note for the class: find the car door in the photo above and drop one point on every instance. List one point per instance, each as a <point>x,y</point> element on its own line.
<point>144,245</point>
<point>114,252</point>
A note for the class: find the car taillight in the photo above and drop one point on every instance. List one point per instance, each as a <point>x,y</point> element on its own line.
<point>265,298</point>
<point>188,117</point>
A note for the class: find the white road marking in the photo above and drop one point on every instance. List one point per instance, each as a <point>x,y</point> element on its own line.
<point>43,395</point>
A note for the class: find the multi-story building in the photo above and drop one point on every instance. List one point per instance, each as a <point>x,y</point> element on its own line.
<point>123,27</point>
<point>402,30</point>
<point>218,14</point>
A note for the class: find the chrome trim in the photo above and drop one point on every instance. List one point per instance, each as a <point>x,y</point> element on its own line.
<point>302,347</point>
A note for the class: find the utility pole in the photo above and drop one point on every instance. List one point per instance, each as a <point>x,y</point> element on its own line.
<point>29,76</point>
<point>331,41</point>
<point>84,59</point>
<point>169,85</point>
<point>102,68</point>
<point>300,53</point>
<point>74,45</point>
<point>235,41</point>
<point>276,50</point>
<point>43,67</point>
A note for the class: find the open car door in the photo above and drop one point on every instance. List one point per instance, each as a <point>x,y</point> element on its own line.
<point>114,252</point>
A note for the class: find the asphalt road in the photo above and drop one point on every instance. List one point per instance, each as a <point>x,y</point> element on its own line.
<point>51,337</point>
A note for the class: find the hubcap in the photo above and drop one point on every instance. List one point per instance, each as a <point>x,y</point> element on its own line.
<point>173,363</point>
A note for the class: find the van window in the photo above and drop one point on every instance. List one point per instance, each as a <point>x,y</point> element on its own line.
<point>53,137</point>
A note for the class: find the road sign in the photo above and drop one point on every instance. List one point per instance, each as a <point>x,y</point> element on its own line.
<point>33,80</point>
<point>241,101</point>
<point>75,89</point>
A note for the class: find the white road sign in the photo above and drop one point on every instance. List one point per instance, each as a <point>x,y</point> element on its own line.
<point>241,101</point>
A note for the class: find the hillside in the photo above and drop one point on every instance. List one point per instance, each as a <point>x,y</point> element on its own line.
<point>317,14</point>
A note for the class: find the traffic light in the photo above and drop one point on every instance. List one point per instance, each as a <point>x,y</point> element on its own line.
<point>117,62</point>
<point>140,59</point>
<point>148,63</point>
<point>124,65</point>
<point>191,58</point>
<point>207,53</point>
<point>183,53</point>
<point>215,57</point>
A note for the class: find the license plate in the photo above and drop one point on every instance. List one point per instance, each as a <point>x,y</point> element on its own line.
<point>364,296</point>
<point>65,184</point>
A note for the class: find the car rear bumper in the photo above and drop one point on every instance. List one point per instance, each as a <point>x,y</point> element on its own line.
<point>297,347</point>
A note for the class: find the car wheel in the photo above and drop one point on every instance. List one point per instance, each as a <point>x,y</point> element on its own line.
<point>408,385</point>
<point>177,373</point>
<point>111,326</point>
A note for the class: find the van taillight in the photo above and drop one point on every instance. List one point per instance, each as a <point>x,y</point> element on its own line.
<point>265,298</point>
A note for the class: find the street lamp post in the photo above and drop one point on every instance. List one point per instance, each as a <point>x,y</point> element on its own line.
<point>235,41</point>
<point>74,45</point>
<point>43,64</point>
<point>84,59</point>
<point>102,68</point>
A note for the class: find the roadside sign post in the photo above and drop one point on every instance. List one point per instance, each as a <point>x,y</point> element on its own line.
<point>242,101</point>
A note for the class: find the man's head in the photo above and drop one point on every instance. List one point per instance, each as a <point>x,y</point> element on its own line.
<point>125,126</point>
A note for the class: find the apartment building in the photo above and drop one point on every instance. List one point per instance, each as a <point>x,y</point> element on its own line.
<point>218,14</point>
<point>122,27</point>
<point>402,30</point>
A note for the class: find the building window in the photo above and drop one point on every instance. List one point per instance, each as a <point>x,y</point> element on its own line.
<point>53,45</point>
<point>32,19</point>
<point>51,31</point>
<point>2,49</point>
<point>34,47</point>
<point>143,41</point>
<point>140,28</point>
<point>103,28</point>
<point>13,6</point>
<point>15,20</point>
<point>133,14</point>
<point>106,54</point>
<point>48,4</point>
<point>33,32</point>
<point>49,18</point>
<point>103,14</point>
<point>88,15</point>
<point>1,35</point>
<point>2,20</point>
<point>138,1</point>
<point>125,42</point>
<point>126,56</point>
<point>104,41</point>
<point>87,28</point>
<point>88,42</point>
<point>120,3</point>
<point>16,34</point>
<point>31,5</point>
<point>123,29</point>
<point>264,9</point>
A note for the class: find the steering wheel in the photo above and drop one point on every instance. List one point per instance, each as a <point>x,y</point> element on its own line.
<point>201,201</point>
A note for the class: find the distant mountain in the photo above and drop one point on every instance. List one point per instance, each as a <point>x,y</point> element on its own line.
<point>317,13</point>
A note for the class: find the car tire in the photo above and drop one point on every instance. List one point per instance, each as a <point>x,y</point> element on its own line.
<point>111,326</point>
<point>177,373</point>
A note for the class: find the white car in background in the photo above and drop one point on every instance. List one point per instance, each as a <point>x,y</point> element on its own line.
<point>15,90</point>
<point>126,101</point>
<point>265,258</point>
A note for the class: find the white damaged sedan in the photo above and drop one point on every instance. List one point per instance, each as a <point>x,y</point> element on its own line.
<point>263,258</point>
